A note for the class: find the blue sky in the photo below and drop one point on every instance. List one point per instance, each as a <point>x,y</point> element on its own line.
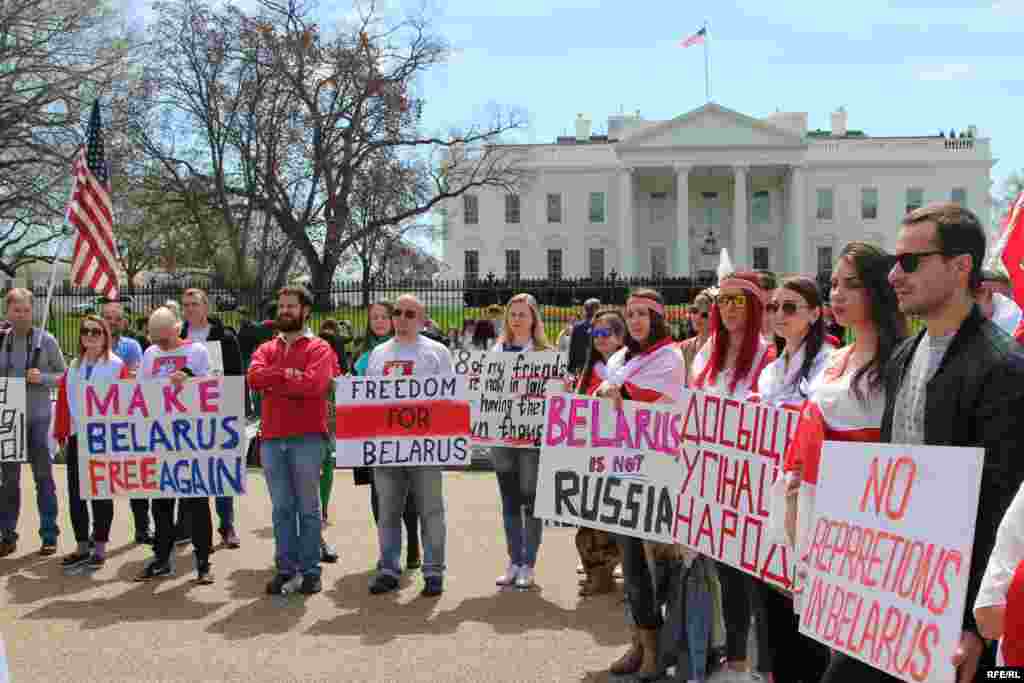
<point>902,67</point>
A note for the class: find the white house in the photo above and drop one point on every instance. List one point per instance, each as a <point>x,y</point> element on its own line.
<point>777,195</point>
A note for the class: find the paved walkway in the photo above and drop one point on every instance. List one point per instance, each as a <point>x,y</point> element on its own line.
<point>104,627</point>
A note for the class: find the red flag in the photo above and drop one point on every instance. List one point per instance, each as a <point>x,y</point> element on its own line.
<point>696,39</point>
<point>95,261</point>
<point>1013,251</point>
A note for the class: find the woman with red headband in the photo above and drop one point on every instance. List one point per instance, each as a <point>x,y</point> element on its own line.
<point>729,365</point>
<point>649,369</point>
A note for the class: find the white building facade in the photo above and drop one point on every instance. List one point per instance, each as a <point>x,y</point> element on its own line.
<point>662,198</point>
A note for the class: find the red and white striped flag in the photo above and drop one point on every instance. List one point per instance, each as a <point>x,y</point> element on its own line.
<point>696,39</point>
<point>95,262</point>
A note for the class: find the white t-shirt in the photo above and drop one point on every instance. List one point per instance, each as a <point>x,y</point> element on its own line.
<point>423,357</point>
<point>1005,312</point>
<point>157,363</point>
<point>199,334</point>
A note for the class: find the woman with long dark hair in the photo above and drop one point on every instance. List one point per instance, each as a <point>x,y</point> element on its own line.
<point>730,365</point>
<point>649,369</point>
<point>380,327</point>
<point>599,550</point>
<point>845,403</point>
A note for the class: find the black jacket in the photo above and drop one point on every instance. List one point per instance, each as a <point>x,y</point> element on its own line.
<point>976,399</point>
<point>579,346</point>
<point>228,345</point>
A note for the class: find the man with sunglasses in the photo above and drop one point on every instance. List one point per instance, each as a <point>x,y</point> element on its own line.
<point>410,353</point>
<point>294,372</point>
<point>995,298</point>
<point>698,313</point>
<point>960,382</point>
<point>579,342</point>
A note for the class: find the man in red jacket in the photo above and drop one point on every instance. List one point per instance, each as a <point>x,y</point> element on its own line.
<point>294,371</point>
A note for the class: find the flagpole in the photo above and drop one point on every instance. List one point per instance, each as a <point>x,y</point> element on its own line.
<point>707,67</point>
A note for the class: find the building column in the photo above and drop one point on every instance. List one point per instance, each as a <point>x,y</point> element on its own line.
<point>682,220</point>
<point>626,227</point>
<point>798,207</point>
<point>740,258</point>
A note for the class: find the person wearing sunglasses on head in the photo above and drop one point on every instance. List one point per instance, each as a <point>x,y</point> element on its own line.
<point>698,313</point>
<point>410,353</point>
<point>96,364</point>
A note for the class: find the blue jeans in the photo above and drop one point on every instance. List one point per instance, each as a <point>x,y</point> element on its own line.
<point>292,469</point>
<point>516,469</point>
<point>46,490</point>
<point>226,511</point>
<point>394,485</point>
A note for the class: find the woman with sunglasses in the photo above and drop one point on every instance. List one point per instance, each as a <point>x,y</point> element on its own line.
<point>698,313</point>
<point>730,365</point>
<point>379,328</point>
<point>845,403</point>
<point>516,468</point>
<point>649,369</point>
<point>599,550</point>
<point>96,364</point>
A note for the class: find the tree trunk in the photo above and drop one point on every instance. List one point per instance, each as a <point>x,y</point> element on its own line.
<point>320,284</point>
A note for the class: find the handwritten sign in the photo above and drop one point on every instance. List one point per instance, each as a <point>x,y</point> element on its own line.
<point>152,439</point>
<point>889,554</point>
<point>507,393</point>
<point>610,469</point>
<point>403,420</point>
<point>731,454</point>
<point>13,435</point>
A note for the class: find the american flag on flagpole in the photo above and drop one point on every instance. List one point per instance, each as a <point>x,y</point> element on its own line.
<point>95,263</point>
<point>696,39</point>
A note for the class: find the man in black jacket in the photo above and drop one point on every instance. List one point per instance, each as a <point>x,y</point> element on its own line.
<point>199,327</point>
<point>579,342</point>
<point>960,382</point>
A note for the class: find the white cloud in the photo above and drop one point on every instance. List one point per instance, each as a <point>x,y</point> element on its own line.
<point>945,72</point>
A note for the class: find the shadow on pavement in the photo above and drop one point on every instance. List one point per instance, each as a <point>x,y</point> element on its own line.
<point>44,577</point>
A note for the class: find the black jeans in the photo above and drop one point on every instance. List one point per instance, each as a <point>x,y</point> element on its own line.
<point>198,511</point>
<point>102,510</point>
<point>639,587</point>
<point>410,516</point>
<point>140,513</point>
<point>737,607</point>
<point>781,649</point>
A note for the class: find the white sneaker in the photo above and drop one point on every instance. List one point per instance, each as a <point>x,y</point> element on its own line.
<point>509,577</point>
<point>525,579</point>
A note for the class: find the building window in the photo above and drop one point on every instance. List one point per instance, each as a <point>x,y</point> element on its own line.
<point>825,202</point>
<point>762,258</point>
<point>824,259</point>
<point>712,212</point>
<point>554,208</point>
<point>511,208</point>
<point>597,207</point>
<point>659,262</point>
<point>472,264</point>
<point>959,195</point>
<point>470,209</point>
<point>761,208</point>
<point>554,264</point>
<point>512,264</point>
<point>868,203</point>
<point>915,199</point>
<point>597,264</point>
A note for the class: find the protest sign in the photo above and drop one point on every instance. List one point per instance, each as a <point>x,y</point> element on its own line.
<point>5,676</point>
<point>12,420</point>
<point>507,393</point>
<point>610,469</point>
<point>216,357</point>
<point>889,555</point>
<point>731,453</point>
<point>152,439</point>
<point>402,420</point>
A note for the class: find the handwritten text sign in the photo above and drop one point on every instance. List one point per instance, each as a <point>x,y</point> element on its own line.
<point>152,439</point>
<point>731,454</point>
<point>610,469</point>
<point>507,394</point>
<point>402,420</point>
<point>12,420</point>
<point>890,552</point>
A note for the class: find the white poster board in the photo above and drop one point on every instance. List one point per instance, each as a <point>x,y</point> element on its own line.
<point>889,555</point>
<point>154,440</point>
<point>13,422</point>
<point>216,357</point>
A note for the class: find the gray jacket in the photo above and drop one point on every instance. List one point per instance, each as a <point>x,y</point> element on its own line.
<point>15,356</point>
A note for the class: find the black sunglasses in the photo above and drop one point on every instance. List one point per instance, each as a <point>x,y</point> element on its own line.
<point>92,332</point>
<point>787,307</point>
<point>397,313</point>
<point>909,262</point>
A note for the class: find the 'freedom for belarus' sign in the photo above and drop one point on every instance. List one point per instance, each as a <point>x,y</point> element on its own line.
<point>152,439</point>
<point>889,554</point>
<point>402,420</point>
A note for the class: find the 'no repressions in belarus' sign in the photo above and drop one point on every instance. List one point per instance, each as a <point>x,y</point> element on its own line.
<point>402,420</point>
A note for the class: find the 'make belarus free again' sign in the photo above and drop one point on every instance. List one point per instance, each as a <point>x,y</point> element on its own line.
<point>402,421</point>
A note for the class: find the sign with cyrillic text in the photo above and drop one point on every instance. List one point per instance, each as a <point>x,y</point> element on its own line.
<point>731,452</point>
<point>606,468</point>
<point>13,435</point>
<point>507,393</point>
<point>889,554</point>
<point>406,420</point>
<point>155,440</point>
